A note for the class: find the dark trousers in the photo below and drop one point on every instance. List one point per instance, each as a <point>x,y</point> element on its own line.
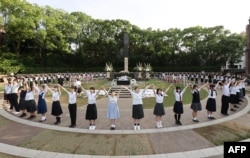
<point>243,92</point>
<point>225,104</point>
<point>72,113</point>
<point>14,101</point>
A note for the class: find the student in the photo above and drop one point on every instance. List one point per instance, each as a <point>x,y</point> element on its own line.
<point>225,97</point>
<point>14,96</point>
<point>72,105</point>
<point>41,105</point>
<point>22,104</point>
<point>91,111</point>
<point>56,105</point>
<point>7,91</point>
<point>233,99</point>
<point>137,111</point>
<point>178,105</point>
<point>211,102</point>
<point>196,103</point>
<point>113,109</point>
<point>30,101</point>
<point>159,110</point>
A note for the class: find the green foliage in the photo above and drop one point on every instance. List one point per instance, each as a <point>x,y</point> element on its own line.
<point>42,37</point>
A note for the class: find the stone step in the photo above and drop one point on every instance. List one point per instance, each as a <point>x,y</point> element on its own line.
<point>124,93</point>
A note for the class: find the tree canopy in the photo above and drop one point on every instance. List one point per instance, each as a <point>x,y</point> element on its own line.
<point>44,39</point>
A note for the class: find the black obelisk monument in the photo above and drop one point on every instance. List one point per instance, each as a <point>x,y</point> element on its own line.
<point>125,52</point>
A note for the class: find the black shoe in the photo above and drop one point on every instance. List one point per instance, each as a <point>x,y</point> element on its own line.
<point>23,115</point>
<point>232,110</point>
<point>236,106</point>
<point>31,117</point>
<point>212,118</point>
<point>225,114</point>
<point>72,126</point>
<point>179,123</point>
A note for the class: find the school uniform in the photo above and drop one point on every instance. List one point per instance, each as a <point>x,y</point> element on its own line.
<point>7,89</point>
<point>211,102</point>
<point>91,112</point>
<point>178,106</point>
<point>14,96</point>
<point>196,104</point>
<point>159,108</point>
<point>41,105</point>
<point>137,110</point>
<point>30,101</point>
<point>225,99</point>
<point>56,105</point>
<point>233,95</point>
<point>72,108</point>
<point>22,103</point>
<point>113,109</point>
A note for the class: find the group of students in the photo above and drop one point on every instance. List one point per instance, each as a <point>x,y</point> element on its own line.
<point>233,92</point>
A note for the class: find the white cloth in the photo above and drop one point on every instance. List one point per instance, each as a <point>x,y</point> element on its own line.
<point>137,98</point>
<point>91,97</point>
<point>72,97</point>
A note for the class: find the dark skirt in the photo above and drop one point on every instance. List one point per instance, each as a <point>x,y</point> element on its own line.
<point>41,106</point>
<point>233,99</point>
<point>211,105</point>
<point>178,107</point>
<point>31,105</point>
<point>91,112</point>
<point>22,104</point>
<point>137,111</point>
<point>56,108</point>
<point>196,106</point>
<point>159,109</point>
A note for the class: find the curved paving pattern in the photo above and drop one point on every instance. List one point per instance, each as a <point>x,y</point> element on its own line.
<point>126,113</point>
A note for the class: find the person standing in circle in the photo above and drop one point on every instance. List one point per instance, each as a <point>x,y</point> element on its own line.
<point>91,111</point>
<point>72,106</point>
<point>159,110</point>
<point>137,110</point>
<point>178,105</point>
<point>113,109</point>
<point>196,103</point>
<point>56,105</point>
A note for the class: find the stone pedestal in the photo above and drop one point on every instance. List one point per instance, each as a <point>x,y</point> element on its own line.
<point>139,75</point>
<point>108,75</point>
<point>147,75</point>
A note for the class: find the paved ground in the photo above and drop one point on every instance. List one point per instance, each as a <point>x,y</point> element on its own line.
<point>170,139</point>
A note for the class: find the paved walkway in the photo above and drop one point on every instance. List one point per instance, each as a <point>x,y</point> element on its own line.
<point>182,136</point>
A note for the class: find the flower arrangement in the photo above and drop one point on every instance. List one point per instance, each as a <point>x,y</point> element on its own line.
<point>147,67</point>
<point>109,67</point>
<point>139,67</point>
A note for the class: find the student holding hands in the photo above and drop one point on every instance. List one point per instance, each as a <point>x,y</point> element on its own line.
<point>159,107</point>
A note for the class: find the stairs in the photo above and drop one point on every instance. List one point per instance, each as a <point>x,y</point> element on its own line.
<point>124,93</point>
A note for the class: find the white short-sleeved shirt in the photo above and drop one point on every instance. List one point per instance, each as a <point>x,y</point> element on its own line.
<point>225,90</point>
<point>72,97</point>
<point>7,89</point>
<point>159,98</point>
<point>91,97</point>
<point>178,96</point>
<point>137,98</point>
<point>29,95</point>
<point>210,92</point>
<point>55,96</point>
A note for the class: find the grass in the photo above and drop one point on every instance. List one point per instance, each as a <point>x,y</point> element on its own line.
<point>225,132</point>
<point>90,144</point>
